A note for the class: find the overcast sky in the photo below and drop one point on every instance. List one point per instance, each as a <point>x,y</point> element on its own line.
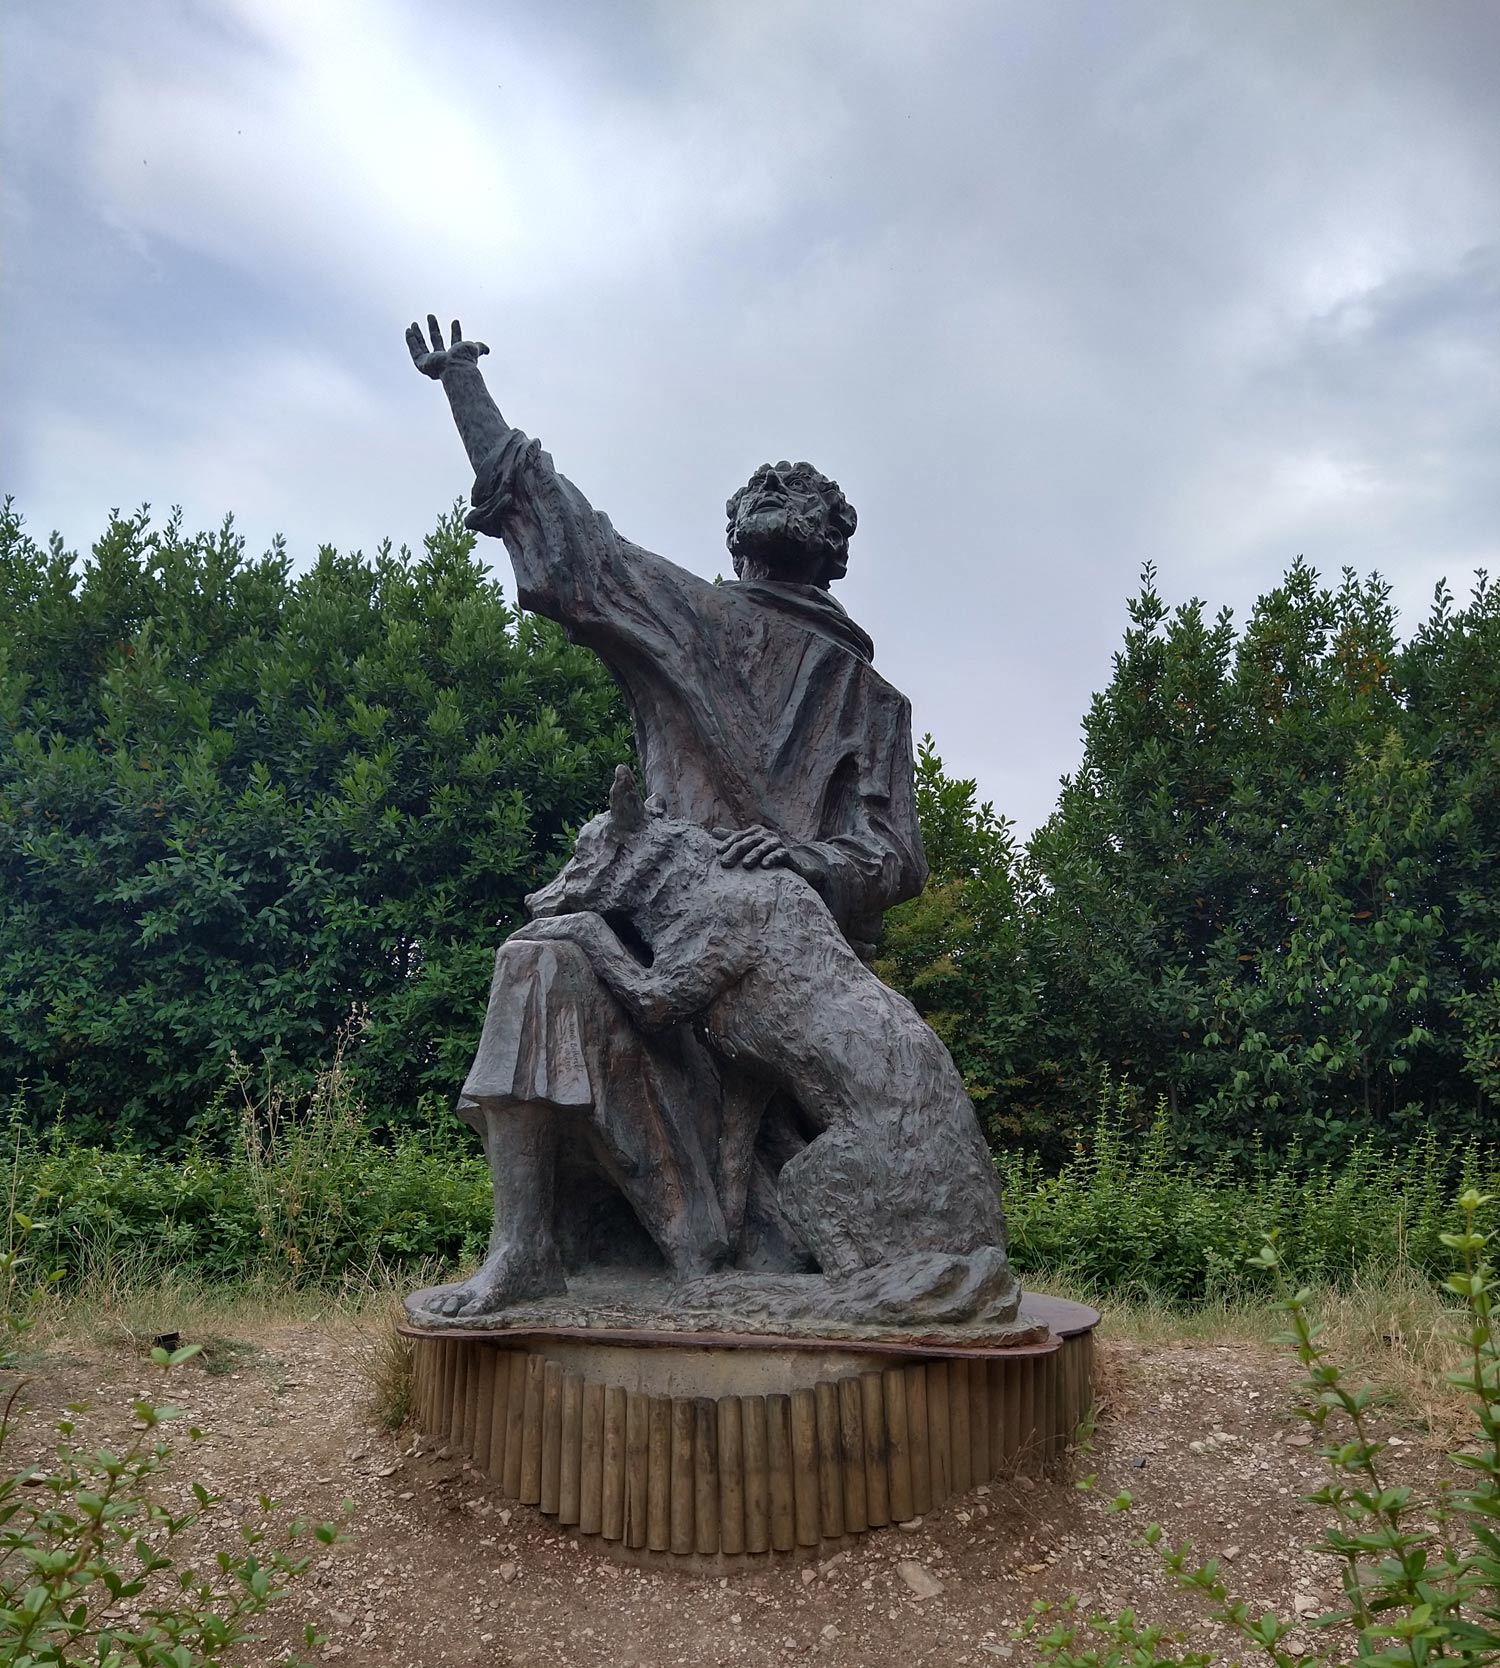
<point>1052,288</point>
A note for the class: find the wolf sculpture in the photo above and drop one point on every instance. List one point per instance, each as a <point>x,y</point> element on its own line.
<point>896,1199</point>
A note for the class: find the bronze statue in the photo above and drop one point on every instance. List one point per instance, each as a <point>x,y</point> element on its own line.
<point>788,1134</point>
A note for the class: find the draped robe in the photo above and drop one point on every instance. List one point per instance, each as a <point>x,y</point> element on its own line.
<point>752,703</point>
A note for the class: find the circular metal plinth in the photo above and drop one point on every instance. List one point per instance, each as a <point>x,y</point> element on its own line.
<point>724,1451</point>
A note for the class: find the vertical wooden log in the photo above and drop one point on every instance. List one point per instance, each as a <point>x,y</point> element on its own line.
<point>756,1438</point>
<point>419,1383</point>
<point>877,1451</point>
<point>731,1475</point>
<point>443,1422</point>
<point>852,1456</point>
<point>613,1526</point>
<point>958,1420</point>
<point>1054,1421</point>
<point>515,1422</point>
<point>898,1444</point>
<point>979,1423</point>
<point>1017,1371</point>
<point>1067,1395</point>
<point>435,1395</point>
<point>499,1406</point>
<point>1090,1369</point>
<point>1067,1359</point>
<point>830,1477</point>
<point>918,1438</point>
<point>472,1355</point>
<point>591,1461</point>
<point>1045,1366</point>
<point>1026,1459</point>
<point>779,1464</point>
<point>939,1433</point>
<point>484,1406</point>
<point>1003,1413</point>
<point>637,1477</point>
<point>531,1431</point>
<point>659,1474</point>
<point>456,1398</point>
<point>552,1382</point>
<point>705,1475</point>
<point>568,1489</point>
<point>805,1481</point>
<point>432,1372</point>
<point>999,1417</point>
<point>683,1538</point>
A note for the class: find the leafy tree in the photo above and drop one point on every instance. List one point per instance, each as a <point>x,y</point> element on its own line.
<point>1451,669</point>
<point>958,951</point>
<point>1247,898</point>
<point>238,803</point>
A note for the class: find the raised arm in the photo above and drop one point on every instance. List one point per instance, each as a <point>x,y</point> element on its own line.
<point>482,429</point>
<point>569,562</point>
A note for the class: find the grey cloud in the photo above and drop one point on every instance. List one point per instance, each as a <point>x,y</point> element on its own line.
<point>1051,289</point>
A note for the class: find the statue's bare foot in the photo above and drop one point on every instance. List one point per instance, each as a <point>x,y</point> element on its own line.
<point>510,1275</point>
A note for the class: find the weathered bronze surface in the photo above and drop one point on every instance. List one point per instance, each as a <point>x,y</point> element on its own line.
<point>686,1064</point>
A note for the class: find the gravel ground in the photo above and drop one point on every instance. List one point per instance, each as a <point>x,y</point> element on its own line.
<point>440,1572</point>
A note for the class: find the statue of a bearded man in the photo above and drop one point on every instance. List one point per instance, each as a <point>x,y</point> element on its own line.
<point>758,716</point>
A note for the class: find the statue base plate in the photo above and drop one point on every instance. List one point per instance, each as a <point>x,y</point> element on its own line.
<point>718,1451</point>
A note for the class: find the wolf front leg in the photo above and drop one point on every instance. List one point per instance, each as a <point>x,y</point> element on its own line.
<point>673,988</point>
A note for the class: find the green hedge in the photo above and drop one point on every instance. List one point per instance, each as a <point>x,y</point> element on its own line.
<point>315,1197</point>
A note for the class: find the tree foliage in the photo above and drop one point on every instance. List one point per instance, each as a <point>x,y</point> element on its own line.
<point>1270,895</point>
<point>239,803</point>
<point>959,951</point>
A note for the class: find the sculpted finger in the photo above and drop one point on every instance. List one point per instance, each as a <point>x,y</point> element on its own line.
<point>738,845</point>
<point>416,342</point>
<point>456,335</point>
<point>435,332</point>
<point>762,854</point>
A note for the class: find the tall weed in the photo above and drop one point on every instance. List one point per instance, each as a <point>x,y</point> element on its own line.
<point>1130,1216</point>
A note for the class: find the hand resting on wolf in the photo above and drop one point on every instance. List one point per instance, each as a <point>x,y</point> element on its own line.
<point>897,1198</point>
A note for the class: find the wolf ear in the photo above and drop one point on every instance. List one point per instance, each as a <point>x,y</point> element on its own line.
<point>626,809</point>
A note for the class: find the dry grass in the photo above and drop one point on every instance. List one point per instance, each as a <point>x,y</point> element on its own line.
<point>130,1306</point>
<point>1390,1328</point>
<point>133,1302</point>
<point>384,1355</point>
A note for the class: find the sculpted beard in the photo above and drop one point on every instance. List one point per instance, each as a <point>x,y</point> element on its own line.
<point>777,538</point>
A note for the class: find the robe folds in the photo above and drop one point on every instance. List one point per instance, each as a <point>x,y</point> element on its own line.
<point>752,703</point>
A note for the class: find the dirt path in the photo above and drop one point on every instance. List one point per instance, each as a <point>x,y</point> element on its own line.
<point>442,1573</point>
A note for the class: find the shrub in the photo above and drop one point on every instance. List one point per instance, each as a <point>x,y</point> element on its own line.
<point>1420,1573</point>
<point>1129,1214</point>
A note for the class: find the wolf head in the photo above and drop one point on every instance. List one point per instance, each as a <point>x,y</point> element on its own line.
<point>617,856</point>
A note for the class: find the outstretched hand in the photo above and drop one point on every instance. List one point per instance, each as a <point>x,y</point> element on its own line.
<point>433,360</point>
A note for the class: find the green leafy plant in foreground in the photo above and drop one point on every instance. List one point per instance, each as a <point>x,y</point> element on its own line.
<point>1419,1570</point>
<point>91,1569</point>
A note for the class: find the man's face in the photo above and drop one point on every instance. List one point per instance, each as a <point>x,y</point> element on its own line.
<point>780,524</point>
